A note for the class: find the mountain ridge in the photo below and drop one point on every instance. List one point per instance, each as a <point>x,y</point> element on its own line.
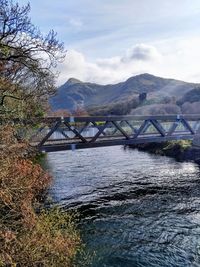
<point>90,95</point>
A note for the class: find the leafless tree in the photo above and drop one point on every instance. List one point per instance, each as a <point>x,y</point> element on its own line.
<point>27,57</point>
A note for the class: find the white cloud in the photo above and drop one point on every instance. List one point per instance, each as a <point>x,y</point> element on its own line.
<point>73,66</point>
<point>108,70</point>
<point>179,59</point>
<point>141,52</point>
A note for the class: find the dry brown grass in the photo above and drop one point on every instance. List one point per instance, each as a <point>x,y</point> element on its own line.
<point>48,238</point>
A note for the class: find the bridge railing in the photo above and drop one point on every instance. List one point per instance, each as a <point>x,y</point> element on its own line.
<point>63,133</point>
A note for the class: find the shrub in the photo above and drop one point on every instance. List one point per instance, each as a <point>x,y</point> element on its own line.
<point>48,238</point>
<point>51,241</point>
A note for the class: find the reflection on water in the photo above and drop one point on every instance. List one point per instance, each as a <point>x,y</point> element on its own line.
<point>138,209</point>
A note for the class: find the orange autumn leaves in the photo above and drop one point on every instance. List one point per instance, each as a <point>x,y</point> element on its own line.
<point>27,238</point>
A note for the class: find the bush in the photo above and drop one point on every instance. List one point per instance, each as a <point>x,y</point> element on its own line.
<point>52,240</point>
<point>48,238</point>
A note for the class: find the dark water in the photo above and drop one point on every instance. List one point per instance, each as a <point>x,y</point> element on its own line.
<point>138,209</point>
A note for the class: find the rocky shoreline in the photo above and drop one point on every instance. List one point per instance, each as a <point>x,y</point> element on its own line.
<point>180,150</point>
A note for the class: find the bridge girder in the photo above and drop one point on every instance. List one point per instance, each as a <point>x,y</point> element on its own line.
<point>58,134</point>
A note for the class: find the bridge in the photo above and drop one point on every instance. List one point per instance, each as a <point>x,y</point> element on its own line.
<point>69,133</point>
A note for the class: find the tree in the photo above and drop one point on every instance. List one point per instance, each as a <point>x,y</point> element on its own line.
<point>27,57</point>
<point>59,113</point>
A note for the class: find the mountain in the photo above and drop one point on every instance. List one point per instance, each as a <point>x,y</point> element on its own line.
<point>143,89</point>
<point>191,96</point>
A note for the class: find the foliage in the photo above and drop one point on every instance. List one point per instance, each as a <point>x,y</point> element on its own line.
<point>80,112</point>
<point>142,97</point>
<point>191,108</point>
<point>181,144</point>
<point>52,241</point>
<point>119,108</point>
<point>150,101</point>
<point>177,149</point>
<point>191,96</point>
<point>99,99</point>
<point>27,57</point>
<point>59,113</point>
<point>156,109</point>
<point>27,238</point>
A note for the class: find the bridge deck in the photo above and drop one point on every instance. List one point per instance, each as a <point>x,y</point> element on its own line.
<point>57,134</point>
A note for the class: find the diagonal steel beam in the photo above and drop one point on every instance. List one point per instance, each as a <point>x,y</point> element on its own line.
<point>62,132</point>
<point>100,132</point>
<point>131,126</point>
<point>75,132</point>
<point>57,124</point>
<point>120,129</point>
<point>187,126</point>
<point>83,128</point>
<point>120,124</point>
<point>173,127</point>
<point>158,127</point>
<point>116,129</point>
<point>37,132</point>
<point>98,127</point>
<point>196,126</point>
<point>144,126</point>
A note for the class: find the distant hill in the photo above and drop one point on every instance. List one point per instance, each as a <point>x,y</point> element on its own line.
<point>191,96</point>
<point>104,99</point>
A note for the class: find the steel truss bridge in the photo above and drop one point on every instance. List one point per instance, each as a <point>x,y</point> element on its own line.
<point>70,133</point>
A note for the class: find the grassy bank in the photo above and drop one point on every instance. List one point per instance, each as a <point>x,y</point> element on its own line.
<point>30,238</point>
<point>181,150</point>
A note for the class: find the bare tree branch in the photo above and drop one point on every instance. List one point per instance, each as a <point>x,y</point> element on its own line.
<point>27,57</point>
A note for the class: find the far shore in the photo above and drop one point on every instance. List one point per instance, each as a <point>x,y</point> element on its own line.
<point>180,150</point>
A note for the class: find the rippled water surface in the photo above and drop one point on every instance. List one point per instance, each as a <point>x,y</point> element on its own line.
<point>138,209</point>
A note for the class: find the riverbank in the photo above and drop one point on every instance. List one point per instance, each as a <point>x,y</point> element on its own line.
<point>29,234</point>
<point>180,150</point>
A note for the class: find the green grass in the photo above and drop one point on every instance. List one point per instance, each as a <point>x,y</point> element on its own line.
<point>182,144</point>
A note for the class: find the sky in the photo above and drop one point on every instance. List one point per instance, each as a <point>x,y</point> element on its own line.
<point>108,41</point>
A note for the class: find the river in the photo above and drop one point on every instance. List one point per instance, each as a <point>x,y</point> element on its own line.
<point>138,209</point>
